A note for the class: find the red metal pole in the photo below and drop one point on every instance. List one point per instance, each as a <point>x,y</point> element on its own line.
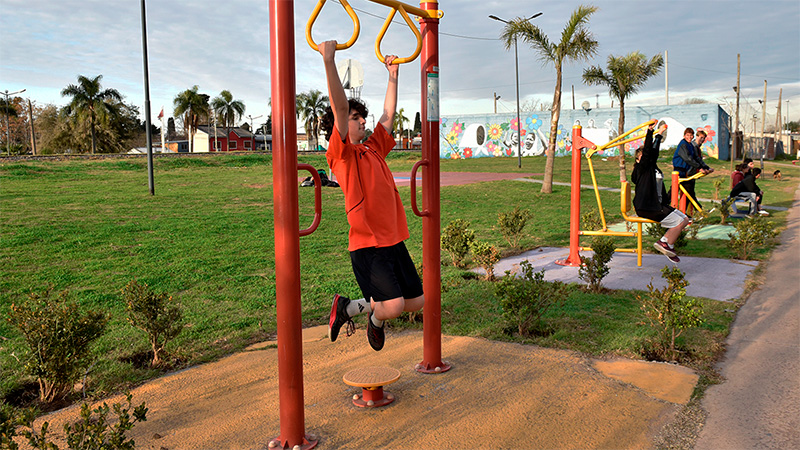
<point>287,227</point>
<point>431,222</point>
<point>578,143</point>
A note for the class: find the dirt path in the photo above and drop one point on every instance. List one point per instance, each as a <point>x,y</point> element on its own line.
<point>498,395</point>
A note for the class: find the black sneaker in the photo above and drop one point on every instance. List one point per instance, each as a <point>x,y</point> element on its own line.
<point>339,317</point>
<point>375,335</point>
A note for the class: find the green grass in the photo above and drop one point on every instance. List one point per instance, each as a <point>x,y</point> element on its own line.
<point>206,238</point>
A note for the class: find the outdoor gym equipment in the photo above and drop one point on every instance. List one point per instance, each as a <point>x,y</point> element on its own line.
<point>678,198</point>
<point>371,380</point>
<point>285,197</point>
<point>578,144</point>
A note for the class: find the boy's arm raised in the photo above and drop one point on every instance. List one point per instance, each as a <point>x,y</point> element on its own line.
<point>336,94</point>
<point>390,102</point>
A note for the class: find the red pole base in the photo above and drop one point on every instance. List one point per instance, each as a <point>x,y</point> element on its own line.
<point>424,367</point>
<point>570,261</point>
<point>307,444</point>
<point>372,398</point>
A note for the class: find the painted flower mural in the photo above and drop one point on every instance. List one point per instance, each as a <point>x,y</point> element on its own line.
<point>495,131</point>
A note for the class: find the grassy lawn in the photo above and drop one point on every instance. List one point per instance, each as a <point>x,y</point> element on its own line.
<point>206,237</point>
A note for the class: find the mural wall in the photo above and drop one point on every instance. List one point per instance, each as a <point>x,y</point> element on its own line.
<point>490,135</point>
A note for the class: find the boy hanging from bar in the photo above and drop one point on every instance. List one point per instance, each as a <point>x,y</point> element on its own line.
<point>382,266</point>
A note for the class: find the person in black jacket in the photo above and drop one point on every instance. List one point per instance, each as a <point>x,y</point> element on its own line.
<point>651,200</point>
<point>748,188</point>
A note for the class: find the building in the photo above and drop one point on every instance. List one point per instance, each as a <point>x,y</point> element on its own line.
<point>223,140</point>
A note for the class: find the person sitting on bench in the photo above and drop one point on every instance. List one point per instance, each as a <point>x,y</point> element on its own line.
<point>748,188</point>
<point>651,200</point>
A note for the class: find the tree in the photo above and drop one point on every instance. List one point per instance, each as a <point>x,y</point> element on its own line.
<point>399,121</point>
<point>89,99</point>
<point>625,75</point>
<point>576,44</point>
<point>192,105</point>
<point>310,109</point>
<point>227,109</point>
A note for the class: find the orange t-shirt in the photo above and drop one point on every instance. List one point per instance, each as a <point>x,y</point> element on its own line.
<point>374,210</point>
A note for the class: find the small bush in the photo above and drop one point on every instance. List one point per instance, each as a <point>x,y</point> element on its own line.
<point>701,220</point>
<point>718,186</point>
<point>485,255</point>
<point>670,312</point>
<point>512,223</point>
<point>59,337</point>
<point>725,210</point>
<point>751,233</point>
<point>155,314</point>
<point>594,269</point>
<point>591,220</point>
<point>457,239</point>
<point>91,432</point>
<point>526,298</point>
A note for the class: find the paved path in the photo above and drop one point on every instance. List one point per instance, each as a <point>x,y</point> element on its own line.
<point>758,404</point>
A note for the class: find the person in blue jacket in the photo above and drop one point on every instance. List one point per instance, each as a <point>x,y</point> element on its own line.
<point>651,200</point>
<point>687,162</point>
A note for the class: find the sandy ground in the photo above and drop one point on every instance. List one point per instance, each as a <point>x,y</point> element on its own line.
<point>497,395</point>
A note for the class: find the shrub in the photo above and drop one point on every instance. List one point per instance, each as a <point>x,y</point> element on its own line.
<point>59,337</point>
<point>155,314</point>
<point>591,220</point>
<point>486,255</point>
<point>457,239</point>
<point>512,223</point>
<point>594,269</point>
<point>91,432</point>
<point>670,312</point>
<point>525,299</point>
<point>751,233</point>
<point>700,221</point>
<point>717,187</point>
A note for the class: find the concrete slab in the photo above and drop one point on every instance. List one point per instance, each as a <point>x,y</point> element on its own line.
<point>717,279</point>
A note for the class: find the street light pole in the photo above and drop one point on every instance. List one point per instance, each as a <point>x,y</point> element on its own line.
<point>516,67</point>
<point>253,131</point>
<point>150,180</point>
<point>8,127</point>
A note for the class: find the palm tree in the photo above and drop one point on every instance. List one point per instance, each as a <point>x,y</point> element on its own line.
<point>576,44</point>
<point>227,109</point>
<point>88,99</point>
<point>626,74</point>
<point>400,120</point>
<point>310,109</point>
<point>192,105</point>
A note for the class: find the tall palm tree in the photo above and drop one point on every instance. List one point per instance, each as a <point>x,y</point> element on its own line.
<point>310,109</point>
<point>193,106</point>
<point>227,109</point>
<point>576,44</point>
<point>89,99</point>
<point>626,74</point>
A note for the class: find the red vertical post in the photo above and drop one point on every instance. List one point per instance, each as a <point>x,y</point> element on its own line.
<point>287,227</point>
<point>675,191</point>
<point>578,143</point>
<point>431,222</point>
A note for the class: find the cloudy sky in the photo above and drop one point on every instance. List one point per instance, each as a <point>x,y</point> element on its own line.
<point>46,44</point>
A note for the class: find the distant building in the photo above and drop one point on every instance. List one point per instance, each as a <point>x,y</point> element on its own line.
<point>177,146</point>
<point>224,140</point>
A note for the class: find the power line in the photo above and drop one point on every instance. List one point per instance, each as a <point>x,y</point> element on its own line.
<point>729,73</point>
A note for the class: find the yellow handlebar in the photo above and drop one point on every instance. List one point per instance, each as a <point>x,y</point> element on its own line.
<point>350,12</point>
<point>381,58</point>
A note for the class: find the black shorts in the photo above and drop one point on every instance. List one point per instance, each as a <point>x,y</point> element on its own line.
<point>384,273</point>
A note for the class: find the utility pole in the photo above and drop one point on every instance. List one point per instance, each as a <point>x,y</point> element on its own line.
<point>763,121</point>
<point>253,131</point>
<point>33,135</point>
<point>147,121</point>
<point>573,96</point>
<point>736,127</point>
<point>496,98</point>
<point>778,134</point>
<point>666,76</point>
